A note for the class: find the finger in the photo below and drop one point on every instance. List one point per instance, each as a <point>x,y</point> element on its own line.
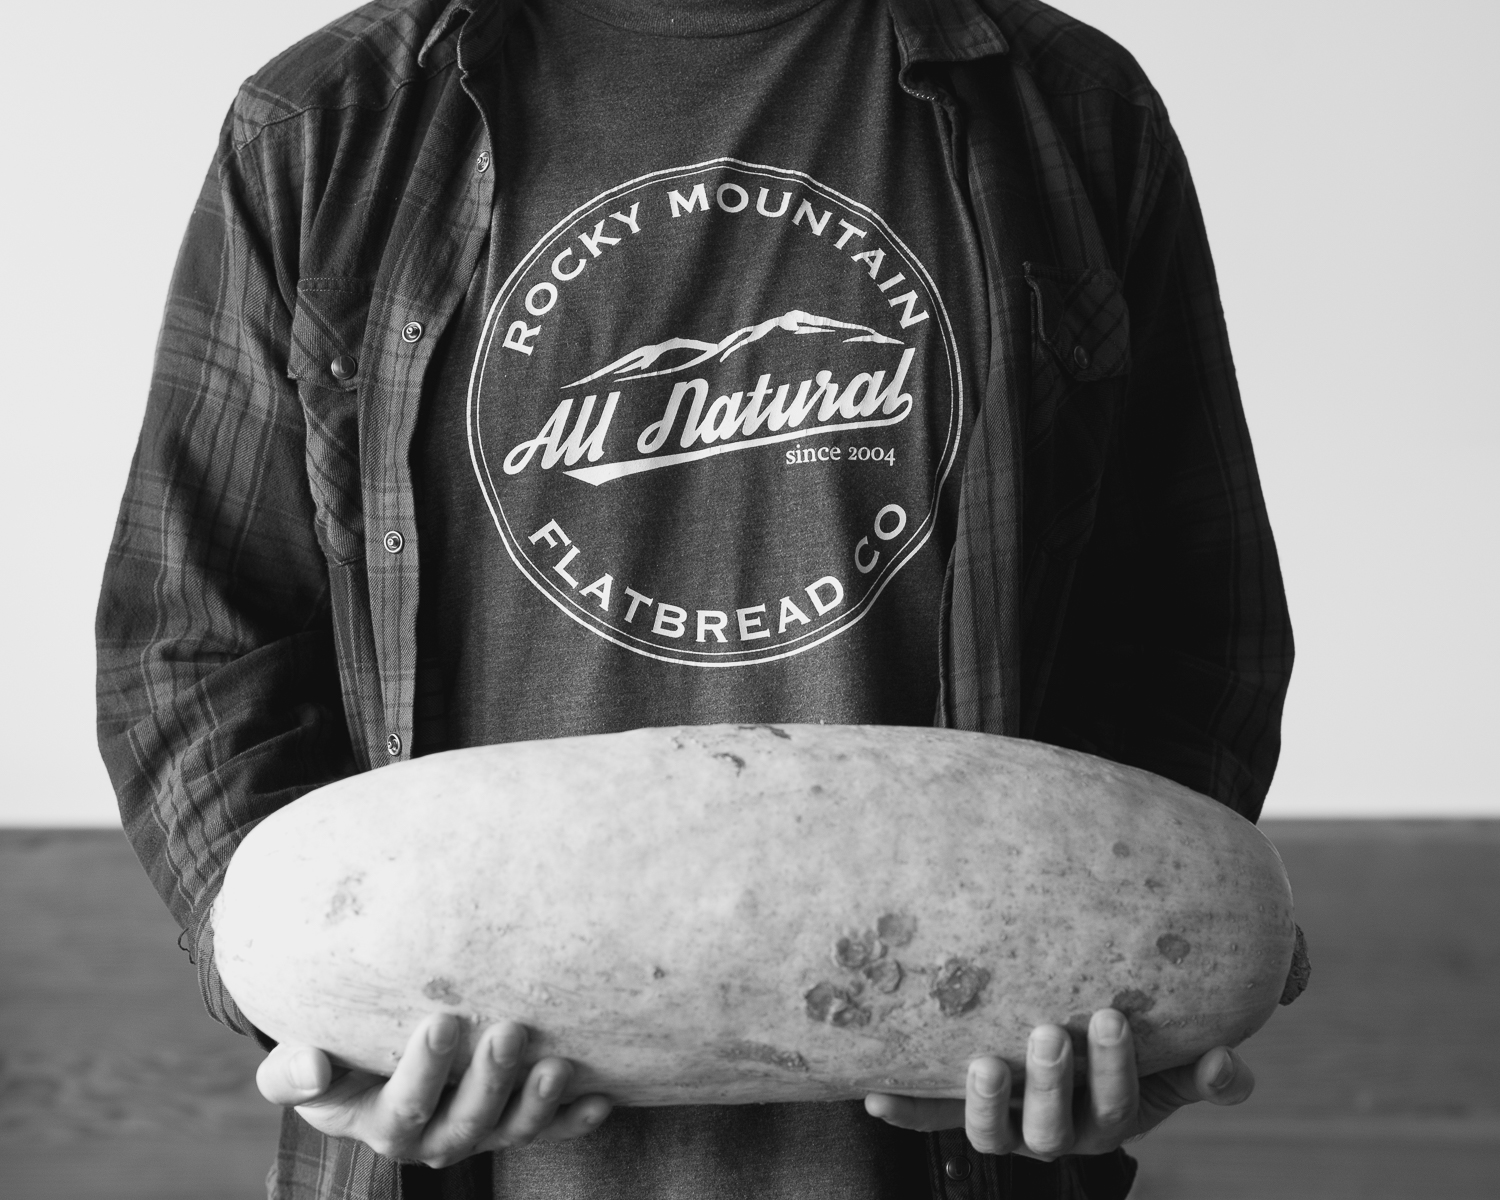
<point>1223,1077</point>
<point>1047,1109</point>
<point>293,1074</point>
<point>472,1110</point>
<point>1114,1089</point>
<point>908,1112</point>
<point>534,1105</point>
<point>411,1096</point>
<point>576,1119</point>
<point>987,1107</point>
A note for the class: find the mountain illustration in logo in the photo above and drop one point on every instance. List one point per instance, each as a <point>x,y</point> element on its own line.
<point>637,364</point>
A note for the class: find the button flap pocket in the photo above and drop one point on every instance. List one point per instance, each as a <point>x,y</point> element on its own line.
<point>1082,318</point>
<point>328,332</point>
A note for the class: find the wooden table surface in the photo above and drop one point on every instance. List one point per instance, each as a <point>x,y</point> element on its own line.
<point>1379,1084</point>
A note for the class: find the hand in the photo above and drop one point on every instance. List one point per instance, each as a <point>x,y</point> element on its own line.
<point>1117,1105</point>
<point>496,1104</point>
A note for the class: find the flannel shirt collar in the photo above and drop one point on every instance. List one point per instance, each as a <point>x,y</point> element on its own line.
<point>944,31</point>
<point>927,31</point>
<point>454,29</point>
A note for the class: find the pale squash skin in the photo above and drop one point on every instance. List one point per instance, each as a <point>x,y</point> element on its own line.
<point>730,914</point>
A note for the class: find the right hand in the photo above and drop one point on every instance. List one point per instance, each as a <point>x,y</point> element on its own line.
<point>413,1117</point>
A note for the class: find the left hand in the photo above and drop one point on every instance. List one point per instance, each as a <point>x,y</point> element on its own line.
<point>498,1103</point>
<point>1116,1107</point>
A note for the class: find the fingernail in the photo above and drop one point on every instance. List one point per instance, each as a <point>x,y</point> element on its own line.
<point>303,1070</point>
<point>442,1034</point>
<point>1109,1027</point>
<point>1047,1047</point>
<point>986,1081</point>
<point>1224,1073</point>
<point>549,1085</point>
<point>505,1048</point>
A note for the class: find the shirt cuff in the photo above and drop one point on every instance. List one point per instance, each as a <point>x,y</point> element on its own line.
<point>216,997</point>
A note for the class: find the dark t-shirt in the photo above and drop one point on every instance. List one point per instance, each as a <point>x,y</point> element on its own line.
<point>691,453</point>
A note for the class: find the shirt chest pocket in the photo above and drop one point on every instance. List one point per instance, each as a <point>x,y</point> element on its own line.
<point>325,360</point>
<point>1080,363</point>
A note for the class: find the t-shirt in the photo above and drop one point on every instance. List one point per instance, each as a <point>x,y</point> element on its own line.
<point>691,453</point>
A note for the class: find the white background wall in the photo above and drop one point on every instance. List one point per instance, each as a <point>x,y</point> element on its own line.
<point>1346,157</point>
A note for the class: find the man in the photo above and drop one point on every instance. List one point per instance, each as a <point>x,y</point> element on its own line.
<point>771,360</point>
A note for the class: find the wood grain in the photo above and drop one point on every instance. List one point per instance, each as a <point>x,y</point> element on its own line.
<point>1376,1084</point>
<point>114,1082</point>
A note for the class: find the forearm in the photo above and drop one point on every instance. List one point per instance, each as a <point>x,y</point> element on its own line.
<point>1176,648</point>
<point>218,691</point>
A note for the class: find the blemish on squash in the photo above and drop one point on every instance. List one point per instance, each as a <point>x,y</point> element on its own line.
<point>829,1004</point>
<point>1133,1004</point>
<point>760,1052</point>
<point>820,999</point>
<point>739,763</point>
<point>1154,885</point>
<point>896,929</point>
<point>1120,850</point>
<point>957,986</point>
<point>345,902</point>
<point>658,973</point>
<point>885,975</point>
<point>854,1015</point>
<point>442,990</point>
<point>1173,948</point>
<point>857,952</point>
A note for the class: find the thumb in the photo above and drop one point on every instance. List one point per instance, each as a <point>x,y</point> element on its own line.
<point>293,1074</point>
<point>1223,1077</point>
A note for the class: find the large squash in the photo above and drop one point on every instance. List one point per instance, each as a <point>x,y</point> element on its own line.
<point>723,914</point>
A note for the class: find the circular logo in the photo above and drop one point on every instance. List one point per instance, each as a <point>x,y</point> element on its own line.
<point>712,410</point>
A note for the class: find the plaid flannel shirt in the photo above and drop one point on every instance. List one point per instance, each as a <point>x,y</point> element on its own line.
<point>1113,586</point>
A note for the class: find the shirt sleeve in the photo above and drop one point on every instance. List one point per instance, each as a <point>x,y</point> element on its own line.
<point>218,687</point>
<point>1176,649</point>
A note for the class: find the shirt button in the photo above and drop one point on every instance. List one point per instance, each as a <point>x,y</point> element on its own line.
<point>343,367</point>
<point>393,744</point>
<point>411,331</point>
<point>482,163</point>
<point>1080,358</point>
<point>394,541</point>
<point>957,1167</point>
